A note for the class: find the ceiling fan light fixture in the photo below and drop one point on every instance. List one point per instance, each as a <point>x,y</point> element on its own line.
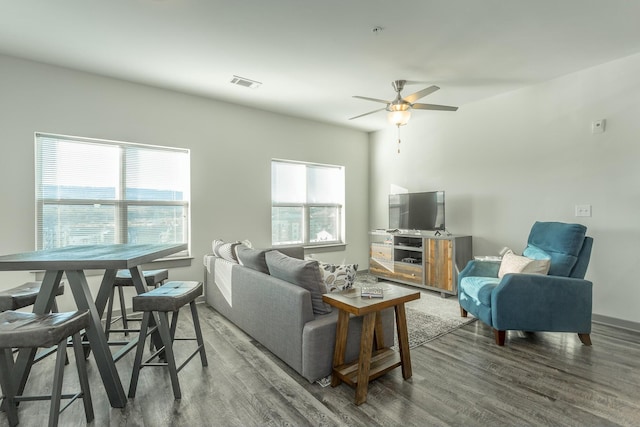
<point>399,117</point>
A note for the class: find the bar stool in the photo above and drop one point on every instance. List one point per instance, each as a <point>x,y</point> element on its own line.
<point>123,279</point>
<point>29,330</point>
<point>25,295</point>
<point>167,298</point>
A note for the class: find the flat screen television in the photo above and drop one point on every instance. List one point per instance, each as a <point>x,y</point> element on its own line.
<point>417,211</point>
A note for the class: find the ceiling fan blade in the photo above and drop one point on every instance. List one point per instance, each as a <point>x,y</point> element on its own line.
<point>421,93</point>
<point>434,107</point>
<point>366,114</point>
<point>372,99</point>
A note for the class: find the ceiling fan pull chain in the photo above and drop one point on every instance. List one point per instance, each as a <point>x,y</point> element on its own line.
<point>398,139</point>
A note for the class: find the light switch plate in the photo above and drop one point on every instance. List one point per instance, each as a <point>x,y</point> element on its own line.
<point>583,210</point>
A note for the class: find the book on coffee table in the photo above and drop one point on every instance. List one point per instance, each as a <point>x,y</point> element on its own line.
<point>371,292</point>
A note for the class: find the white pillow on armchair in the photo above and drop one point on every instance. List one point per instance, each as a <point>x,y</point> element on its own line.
<point>512,263</point>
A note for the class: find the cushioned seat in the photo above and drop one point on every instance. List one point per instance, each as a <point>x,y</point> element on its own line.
<point>480,288</point>
<point>558,302</point>
<point>29,330</point>
<point>23,296</point>
<point>152,277</point>
<point>168,298</point>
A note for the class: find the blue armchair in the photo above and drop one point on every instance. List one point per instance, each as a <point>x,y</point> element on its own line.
<point>558,302</point>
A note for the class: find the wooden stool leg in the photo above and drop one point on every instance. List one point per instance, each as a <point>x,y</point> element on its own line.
<point>83,379</point>
<point>196,327</point>
<point>165,335</point>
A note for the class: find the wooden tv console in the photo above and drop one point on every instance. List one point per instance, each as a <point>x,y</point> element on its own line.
<point>420,259</point>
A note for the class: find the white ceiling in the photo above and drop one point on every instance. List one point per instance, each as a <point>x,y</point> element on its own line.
<point>312,56</point>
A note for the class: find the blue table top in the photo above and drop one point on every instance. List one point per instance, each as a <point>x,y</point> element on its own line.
<point>81,257</point>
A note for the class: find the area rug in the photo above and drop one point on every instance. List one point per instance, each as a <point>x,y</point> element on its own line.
<point>428,318</point>
<point>423,327</point>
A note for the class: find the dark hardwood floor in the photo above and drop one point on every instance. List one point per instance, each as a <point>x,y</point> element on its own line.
<point>460,379</point>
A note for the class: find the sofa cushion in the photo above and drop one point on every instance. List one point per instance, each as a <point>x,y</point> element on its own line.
<point>225,250</point>
<point>479,288</point>
<point>338,277</point>
<point>252,258</point>
<point>305,274</point>
<point>512,263</point>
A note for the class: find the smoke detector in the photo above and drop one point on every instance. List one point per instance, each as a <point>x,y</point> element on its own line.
<point>242,81</point>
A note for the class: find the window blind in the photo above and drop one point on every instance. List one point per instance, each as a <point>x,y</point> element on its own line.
<point>307,203</point>
<point>91,191</point>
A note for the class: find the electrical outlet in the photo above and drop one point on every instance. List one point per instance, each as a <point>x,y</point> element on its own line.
<point>583,210</point>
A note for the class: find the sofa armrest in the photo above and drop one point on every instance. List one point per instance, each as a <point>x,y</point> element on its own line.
<point>533,302</point>
<point>479,269</point>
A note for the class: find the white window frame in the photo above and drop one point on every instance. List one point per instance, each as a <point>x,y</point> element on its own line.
<point>307,206</point>
<point>120,203</point>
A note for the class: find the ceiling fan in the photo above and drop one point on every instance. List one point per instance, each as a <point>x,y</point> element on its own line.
<point>400,108</point>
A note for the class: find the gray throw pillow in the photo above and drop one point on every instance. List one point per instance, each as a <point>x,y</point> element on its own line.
<point>305,274</point>
<point>252,258</point>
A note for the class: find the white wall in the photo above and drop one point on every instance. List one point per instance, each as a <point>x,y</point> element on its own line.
<point>530,155</point>
<point>231,148</point>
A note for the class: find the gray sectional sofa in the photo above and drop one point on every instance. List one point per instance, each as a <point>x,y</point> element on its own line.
<point>279,315</point>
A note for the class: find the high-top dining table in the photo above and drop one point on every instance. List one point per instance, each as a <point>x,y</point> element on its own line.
<point>73,261</point>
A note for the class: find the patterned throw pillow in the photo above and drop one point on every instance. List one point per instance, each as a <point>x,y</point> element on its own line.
<point>225,250</point>
<point>338,277</point>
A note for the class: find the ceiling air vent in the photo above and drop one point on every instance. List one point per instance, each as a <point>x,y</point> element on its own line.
<point>241,81</point>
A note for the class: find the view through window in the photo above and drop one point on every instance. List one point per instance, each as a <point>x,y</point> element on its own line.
<point>92,191</point>
<point>307,203</point>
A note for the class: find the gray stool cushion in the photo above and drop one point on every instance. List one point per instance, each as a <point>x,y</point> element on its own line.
<point>23,295</point>
<point>18,329</point>
<point>168,297</point>
<point>123,277</point>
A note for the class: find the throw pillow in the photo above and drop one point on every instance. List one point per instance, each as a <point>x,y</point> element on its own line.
<point>512,263</point>
<point>338,277</point>
<point>305,274</point>
<point>535,252</point>
<point>225,250</point>
<point>252,258</point>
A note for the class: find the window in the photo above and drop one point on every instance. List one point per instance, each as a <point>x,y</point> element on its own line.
<point>92,191</point>
<point>307,204</point>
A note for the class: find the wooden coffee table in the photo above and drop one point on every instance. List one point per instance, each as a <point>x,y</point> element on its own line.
<point>371,363</point>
